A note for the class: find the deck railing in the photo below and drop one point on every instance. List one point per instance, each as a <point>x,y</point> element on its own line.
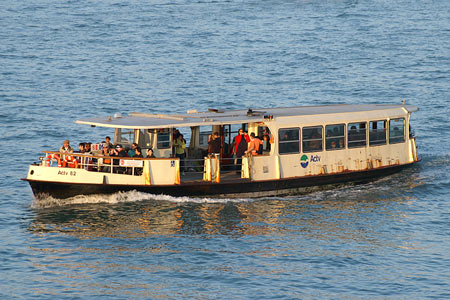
<point>190,169</point>
<point>97,163</point>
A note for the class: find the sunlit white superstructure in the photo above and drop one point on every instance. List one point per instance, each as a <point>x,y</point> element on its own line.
<point>310,146</point>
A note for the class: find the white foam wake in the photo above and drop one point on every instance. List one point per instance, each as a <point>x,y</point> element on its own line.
<point>124,197</point>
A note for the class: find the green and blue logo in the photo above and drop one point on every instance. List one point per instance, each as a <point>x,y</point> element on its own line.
<point>304,161</point>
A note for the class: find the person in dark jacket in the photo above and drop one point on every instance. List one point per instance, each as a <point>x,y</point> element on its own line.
<point>119,152</point>
<point>240,146</point>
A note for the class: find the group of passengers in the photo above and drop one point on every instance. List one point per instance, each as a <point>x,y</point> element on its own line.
<point>242,143</point>
<point>108,151</point>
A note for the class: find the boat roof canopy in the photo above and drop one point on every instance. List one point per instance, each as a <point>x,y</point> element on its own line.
<point>137,120</point>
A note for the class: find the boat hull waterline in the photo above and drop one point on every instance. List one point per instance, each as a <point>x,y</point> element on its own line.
<point>232,189</point>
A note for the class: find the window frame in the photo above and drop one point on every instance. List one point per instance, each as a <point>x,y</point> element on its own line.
<point>349,125</point>
<point>169,133</point>
<point>307,149</point>
<point>403,139</point>
<point>378,142</point>
<point>335,137</point>
<point>286,142</point>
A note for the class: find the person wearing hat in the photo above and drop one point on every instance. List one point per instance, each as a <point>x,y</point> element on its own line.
<point>119,152</point>
<point>66,147</point>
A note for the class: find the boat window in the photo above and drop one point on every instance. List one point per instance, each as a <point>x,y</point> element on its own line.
<point>312,139</point>
<point>377,133</point>
<point>289,140</point>
<point>205,132</point>
<point>357,135</point>
<point>124,136</point>
<point>396,131</point>
<point>335,137</point>
<point>163,138</point>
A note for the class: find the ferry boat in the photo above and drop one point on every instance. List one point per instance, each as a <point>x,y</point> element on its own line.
<point>303,147</point>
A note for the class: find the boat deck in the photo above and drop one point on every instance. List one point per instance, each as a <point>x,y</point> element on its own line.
<point>190,177</point>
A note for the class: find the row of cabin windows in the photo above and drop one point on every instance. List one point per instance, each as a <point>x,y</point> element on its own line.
<point>289,138</point>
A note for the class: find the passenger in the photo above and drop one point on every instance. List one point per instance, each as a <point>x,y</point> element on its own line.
<point>106,162</point>
<point>267,139</point>
<point>150,153</point>
<point>241,143</point>
<point>341,143</point>
<point>108,142</point>
<point>119,152</point>
<point>333,145</point>
<point>214,143</point>
<point>175,135</point>
<point>352,134</point>
<point>87,161</point>
<point>132,151</point>
<point>254,145</point>
<point>316,143</point>
<point>266,143</point>
<point>80,148</point>
<point>66,147</point>
<point>138,154</point>
<point>87,148</point>
<point>180,151</point>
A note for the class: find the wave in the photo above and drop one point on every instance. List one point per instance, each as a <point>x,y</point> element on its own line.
<point>47,201</point>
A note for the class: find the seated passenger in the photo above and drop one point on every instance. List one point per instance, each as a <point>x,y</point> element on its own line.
<point>119,152</point>
<point>150,153</point>
<point>106,161</point>
<point>316,143</point>
<point>87,148</point>
<point>80,148</point>
<point>138,154</point>
<point>132,151</point>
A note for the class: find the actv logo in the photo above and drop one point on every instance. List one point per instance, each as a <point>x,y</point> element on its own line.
<point>304,160</point>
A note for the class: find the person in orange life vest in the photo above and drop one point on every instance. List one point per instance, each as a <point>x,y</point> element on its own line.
<point>253,146</point>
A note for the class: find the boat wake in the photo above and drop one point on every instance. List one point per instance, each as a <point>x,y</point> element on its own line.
<point>46,201</point>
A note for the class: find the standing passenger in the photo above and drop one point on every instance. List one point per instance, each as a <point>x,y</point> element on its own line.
<point>254,145</point>
<point>240,146</point>
<point>108,142</point>
<point>66,147</point>
<point>214,143</point>
<point>180,150</point>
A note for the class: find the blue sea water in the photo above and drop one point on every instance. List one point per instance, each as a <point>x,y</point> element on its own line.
<point>64,60</point>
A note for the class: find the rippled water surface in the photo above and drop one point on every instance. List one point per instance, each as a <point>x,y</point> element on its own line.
<point>64,60</point>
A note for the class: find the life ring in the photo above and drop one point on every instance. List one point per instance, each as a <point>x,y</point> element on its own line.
<point>70,161</point>
<point>53,156</point>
